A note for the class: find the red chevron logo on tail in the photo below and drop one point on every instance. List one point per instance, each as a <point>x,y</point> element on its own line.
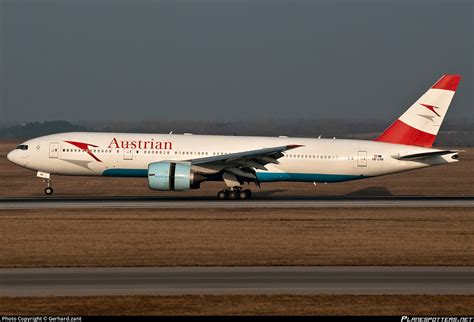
<point>431,108</point>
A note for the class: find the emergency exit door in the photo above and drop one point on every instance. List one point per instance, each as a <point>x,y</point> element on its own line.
<point>128,154</point>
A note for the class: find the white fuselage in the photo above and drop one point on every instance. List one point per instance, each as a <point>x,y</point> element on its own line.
<point>124,154</point>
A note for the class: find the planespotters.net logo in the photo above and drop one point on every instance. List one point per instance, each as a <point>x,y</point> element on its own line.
<point>437,319</point>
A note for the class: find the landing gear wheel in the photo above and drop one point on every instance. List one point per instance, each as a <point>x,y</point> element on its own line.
<point>48,191</point>
<point>232,195</point>
<point>245,194</point>
<point>249,193</point>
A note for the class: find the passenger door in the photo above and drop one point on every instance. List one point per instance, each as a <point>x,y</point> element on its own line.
<point>53,149</point>
<point>362,159</point>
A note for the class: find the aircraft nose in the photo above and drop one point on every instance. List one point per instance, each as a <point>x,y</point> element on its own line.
<point>16,157</point>
<point>11,156</point>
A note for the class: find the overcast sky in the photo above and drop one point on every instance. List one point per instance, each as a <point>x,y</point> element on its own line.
<point>229,59</point>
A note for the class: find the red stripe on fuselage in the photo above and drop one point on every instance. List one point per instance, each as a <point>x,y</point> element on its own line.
<point>85,147</point>
<point>402,133</point>
<point>448,82</point>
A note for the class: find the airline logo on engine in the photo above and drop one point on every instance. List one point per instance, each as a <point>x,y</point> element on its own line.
<point>140,145</point>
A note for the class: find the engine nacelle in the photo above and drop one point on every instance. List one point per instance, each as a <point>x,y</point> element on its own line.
<point>167,175</point>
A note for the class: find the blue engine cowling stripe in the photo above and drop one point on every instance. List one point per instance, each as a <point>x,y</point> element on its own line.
<point>182,176</point>
<point>159,176</point>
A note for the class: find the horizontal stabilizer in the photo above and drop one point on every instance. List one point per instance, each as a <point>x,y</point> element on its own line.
<point>418,156</point>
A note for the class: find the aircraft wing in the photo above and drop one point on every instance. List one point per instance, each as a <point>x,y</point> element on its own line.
<point>243,163</point>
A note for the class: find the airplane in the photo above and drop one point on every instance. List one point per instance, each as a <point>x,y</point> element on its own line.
<point>182,162</point>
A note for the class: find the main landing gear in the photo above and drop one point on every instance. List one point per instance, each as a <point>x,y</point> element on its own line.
<point>233,191</point>
<point>234,194</point>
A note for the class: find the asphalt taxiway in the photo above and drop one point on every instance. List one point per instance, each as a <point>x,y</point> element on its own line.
<point>268,202</point>
<point>241,280</point>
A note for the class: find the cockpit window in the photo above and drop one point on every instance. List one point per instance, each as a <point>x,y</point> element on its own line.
<point>22,147</point>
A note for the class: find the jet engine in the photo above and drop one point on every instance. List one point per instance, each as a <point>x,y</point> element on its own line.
<point>177,176</point>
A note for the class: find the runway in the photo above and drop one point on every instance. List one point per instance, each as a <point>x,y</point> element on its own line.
<point>233,280</point>
<point>268,202</point>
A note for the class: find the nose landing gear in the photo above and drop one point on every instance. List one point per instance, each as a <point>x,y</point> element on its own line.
<point>47,179</point>
<point>48,191</point>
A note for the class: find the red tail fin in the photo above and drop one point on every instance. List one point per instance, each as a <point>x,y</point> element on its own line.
<point>420,124</point>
